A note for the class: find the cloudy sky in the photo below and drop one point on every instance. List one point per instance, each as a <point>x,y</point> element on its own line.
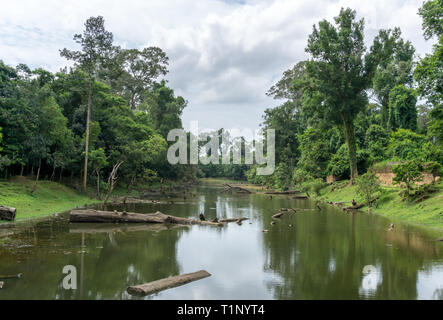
<point>224,54</point>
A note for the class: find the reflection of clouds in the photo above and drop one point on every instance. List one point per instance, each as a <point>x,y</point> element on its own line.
<point>232,258</point>
<point>430,283</point>
<point>332,265</point>
<point>372,278</point>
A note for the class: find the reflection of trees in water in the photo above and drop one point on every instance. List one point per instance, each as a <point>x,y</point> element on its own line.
<point>116,260</point>
<point>111,261</point>
<point>322,257</point>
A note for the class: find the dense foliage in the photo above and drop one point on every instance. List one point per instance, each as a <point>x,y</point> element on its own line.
<point>79,122</point>
<point>348,108</point>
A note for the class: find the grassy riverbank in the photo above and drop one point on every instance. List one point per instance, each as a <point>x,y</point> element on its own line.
<point>48,198</point>
<point>427,213</point>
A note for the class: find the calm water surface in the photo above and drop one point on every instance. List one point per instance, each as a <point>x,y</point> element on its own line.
<point>307,255</point>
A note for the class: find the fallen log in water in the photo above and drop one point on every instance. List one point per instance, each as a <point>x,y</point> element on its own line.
<point>12,276</point>
<point>283,192</point>
<point>277,215</point>
<point>88,215</point>
<point>7,213</point>
<point>236,188</point>
<point>167,283</point>
<point>356,207</point>
<point>300,197</point>
<point>233,219</point>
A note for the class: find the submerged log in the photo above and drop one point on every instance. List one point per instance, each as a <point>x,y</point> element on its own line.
<point>356,207</point>
<point>167,283</point>
<point>300,197</point>
<point>236,188</point>
<point>283,192</point>
<point>11,276</point>
<point>277,215</point>
<point>88,215</point>
<point>7,213</point>
<point>233,219</point>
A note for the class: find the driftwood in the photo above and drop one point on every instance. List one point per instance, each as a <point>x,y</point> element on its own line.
<point>283,192</point>
<point>300,197</point>
<point>88,215</point>
<point>277,215</point>
<point>7,213</point>
<point>167,283</point>
<point>356,207</point>
<point>233,219</point>
<point>11,276</point>
<point>236,188</point>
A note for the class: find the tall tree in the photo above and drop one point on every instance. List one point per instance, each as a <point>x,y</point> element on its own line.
<point>402,109</point>
<point>341,70</point>
<point>96,45</point>
<point>133,72</point>
<point>396,69</point>
<point>429,71</point>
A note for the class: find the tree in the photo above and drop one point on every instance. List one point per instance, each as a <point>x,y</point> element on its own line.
<point>402,109</point>
<point>96,44</point>
<point>432,15</point>
<point>341,70</point>
<point>376,141</point>
<point>165,110</point>
<point>408,173</point>
<point>429,71</point>
<point>368,185</point>
<point>98,161</point>
<point>137,72</point>
<point>395,69</point>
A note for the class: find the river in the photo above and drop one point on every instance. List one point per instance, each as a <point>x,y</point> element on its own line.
<point>310,254</point>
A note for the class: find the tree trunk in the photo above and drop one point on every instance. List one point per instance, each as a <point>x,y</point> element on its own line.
<point>89,215</point>
<point>38,175</point>
<point>85,170</point>
<point>352,147</point>
<point>98,183</point>
<point>167,283</point>
<point>21,171</point>
<point>53,174</point>
<point>61,174</point>
<point>112,180</point>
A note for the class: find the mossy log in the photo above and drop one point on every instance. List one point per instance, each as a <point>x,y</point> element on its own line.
<point>88,215</point>
<point>167,283</point>
<point>7,213</point>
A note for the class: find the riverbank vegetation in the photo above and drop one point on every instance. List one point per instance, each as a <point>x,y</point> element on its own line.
<point>105,119</point>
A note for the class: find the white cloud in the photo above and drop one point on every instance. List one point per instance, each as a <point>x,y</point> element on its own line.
<point>224,55</point>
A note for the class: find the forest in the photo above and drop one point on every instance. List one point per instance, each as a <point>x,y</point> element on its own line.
<point>345,110</point>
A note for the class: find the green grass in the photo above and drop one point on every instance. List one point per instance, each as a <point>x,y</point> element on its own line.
<point>427,213</point>
<point>48,198</point>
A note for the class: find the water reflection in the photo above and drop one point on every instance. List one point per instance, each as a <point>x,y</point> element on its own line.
<point>309,254</point>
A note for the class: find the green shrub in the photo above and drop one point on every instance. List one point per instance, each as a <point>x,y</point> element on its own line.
<point>368,186</point>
